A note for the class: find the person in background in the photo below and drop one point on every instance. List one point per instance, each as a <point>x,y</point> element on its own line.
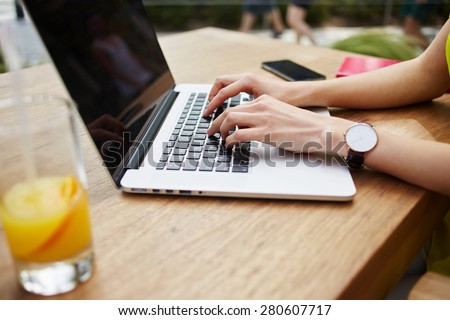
<point>20,15</point>
<point>295,18</point>
<point>415,13</point>
<point>268,9</point>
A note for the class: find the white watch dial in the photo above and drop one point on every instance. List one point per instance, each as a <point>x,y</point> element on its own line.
<point>361,137</point>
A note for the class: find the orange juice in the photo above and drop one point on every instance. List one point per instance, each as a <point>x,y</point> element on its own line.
<point>46,219</point>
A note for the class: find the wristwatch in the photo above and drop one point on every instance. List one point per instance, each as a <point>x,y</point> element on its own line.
<point>360,138</point>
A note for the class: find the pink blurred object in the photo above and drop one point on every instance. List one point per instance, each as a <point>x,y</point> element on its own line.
<point>355,65</point>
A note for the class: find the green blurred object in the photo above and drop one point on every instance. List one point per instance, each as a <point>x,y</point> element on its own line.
<point>2,64</point>
<point>380,44</point>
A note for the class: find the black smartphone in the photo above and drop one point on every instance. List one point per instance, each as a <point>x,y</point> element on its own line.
<point>291,71</point>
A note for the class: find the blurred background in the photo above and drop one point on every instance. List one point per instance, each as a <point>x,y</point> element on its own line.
<point>395,29</point>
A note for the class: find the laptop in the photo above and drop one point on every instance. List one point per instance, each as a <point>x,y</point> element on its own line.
<point>150,131</point>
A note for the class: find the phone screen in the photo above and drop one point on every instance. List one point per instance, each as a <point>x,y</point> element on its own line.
<point>291,71</point>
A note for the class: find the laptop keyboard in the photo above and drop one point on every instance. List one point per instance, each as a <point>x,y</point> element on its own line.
<point>191,149</point>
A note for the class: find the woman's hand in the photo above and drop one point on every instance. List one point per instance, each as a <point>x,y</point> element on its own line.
<point>228,86</point>
<point>269,120</point>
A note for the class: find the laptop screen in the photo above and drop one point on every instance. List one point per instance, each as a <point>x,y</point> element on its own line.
<point>108,56</point>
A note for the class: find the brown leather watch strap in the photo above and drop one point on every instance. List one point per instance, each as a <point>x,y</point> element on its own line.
<point>355,159</point>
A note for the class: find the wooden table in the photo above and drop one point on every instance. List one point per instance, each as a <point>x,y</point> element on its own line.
<point>431,286</point>
<point>173,247</point>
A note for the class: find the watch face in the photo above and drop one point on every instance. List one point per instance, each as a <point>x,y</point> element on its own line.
<point>361,137</point>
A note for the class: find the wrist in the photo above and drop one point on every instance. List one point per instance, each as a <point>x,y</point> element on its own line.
<point>334,136</point>
<point>305,94</point>
<point>361,138</point>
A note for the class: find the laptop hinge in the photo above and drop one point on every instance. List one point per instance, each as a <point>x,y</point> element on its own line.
<point>152,128</point>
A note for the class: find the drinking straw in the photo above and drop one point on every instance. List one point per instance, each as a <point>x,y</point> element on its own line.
<point>13,63</point>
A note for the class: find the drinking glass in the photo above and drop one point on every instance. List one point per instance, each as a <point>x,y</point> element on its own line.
<point>43,196</point>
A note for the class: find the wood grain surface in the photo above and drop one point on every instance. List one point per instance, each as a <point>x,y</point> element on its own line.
<point>431,286</point>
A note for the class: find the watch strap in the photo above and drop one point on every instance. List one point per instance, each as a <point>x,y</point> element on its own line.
<point>355,159</point>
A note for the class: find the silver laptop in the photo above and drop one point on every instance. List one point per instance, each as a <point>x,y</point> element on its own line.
<point>150,131</point>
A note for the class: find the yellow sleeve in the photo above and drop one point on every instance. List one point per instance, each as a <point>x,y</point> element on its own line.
<point>447,52</point>
<point>439,255</point>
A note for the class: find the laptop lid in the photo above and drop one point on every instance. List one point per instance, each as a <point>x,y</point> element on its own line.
<point>109,58</point>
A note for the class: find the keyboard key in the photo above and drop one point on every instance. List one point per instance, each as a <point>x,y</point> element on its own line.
<point>242,151</point>
<point>179,152</point>
<point>235,100</point>
<point>182,145</point>
<point>213,142</point>
<point>160,165</point>
<point>203,125</point>
<point>224,158</point>
<point>173,166</point>
<point>225,151</point>
<point>218,112</point>
<point>176,131</point>
<point>201,131</point>
<point>215,136</point>
<point>245,145</point>
<point>173,137</point>
<point>164,158</point>
<point>177,158</point>
<point>167,150</point>
<point>207,165</point>
<point>190,165</point>
<point>191,122</point>
<point>210,155</point>
<point>189,128</point>
<point>211,147</point>
<point>187,133</point>
<point>195,149</point>
<point>241,162</point>
<point>200,137</point>
<point>206,120</point>
<point>240,169</point>
<point>198,143</point>
<point>222,167</point>
<point>184,139</point>
<point>193,156</point>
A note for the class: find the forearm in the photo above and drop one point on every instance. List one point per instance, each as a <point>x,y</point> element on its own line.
<point>423,163</point>
<point>398,85</point>
<point>414,81</point>
<point>420,162</point>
